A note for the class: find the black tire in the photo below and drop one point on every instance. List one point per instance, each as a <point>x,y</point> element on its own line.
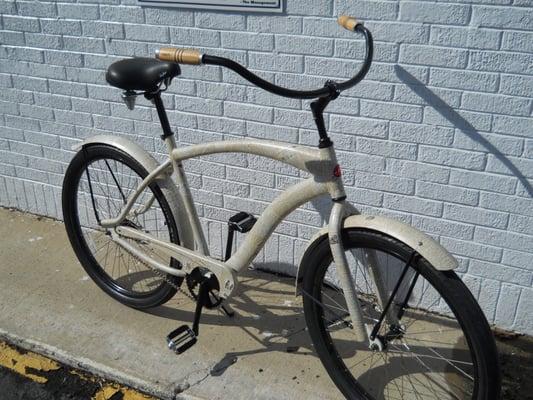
<point>469,316</point>
<point>116,288</point>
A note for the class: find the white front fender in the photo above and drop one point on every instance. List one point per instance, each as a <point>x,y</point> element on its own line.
<point>426,246</point>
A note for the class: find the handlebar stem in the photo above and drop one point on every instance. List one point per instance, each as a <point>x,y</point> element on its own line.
<point>318,106</point>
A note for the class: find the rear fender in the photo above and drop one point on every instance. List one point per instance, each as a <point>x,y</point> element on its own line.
<point>164,181</point>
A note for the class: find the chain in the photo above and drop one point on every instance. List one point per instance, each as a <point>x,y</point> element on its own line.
<point>164,277</point>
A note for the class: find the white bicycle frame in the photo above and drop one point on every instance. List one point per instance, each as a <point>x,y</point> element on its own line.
<point>320,163</point>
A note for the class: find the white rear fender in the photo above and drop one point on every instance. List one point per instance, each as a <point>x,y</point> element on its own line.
<point>164,181</point>
<point>426,246</point>
<point>133,149</point>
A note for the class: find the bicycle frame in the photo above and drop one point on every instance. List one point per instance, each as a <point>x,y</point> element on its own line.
<point>320,163</point>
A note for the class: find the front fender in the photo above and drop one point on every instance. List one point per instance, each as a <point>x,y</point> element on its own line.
<point>164,181</point>
<point>426,246</point>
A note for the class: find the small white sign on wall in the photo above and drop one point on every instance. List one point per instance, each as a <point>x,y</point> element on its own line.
<point>228,5</point>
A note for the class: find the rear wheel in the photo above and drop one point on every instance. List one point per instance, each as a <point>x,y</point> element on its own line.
<point>97,183</point>
<point>440,347</point>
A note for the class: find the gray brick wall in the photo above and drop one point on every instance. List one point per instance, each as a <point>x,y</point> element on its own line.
<point>439,135</point>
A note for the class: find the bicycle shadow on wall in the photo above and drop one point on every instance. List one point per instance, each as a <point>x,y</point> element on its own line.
<point>459,122</point>
<point>323,204</point>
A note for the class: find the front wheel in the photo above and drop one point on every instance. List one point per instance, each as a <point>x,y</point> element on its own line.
<point>435,344</point>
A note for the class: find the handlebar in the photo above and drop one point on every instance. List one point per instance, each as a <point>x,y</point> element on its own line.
<point>180,56</point>
<point>347,22</point>
<point>194,57</point>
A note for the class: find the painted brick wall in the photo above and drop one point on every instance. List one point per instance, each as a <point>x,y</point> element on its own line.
<point>440,134</point>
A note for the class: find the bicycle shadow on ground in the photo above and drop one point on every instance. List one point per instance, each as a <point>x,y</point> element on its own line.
<point>459,122</point>
<point>272,320</point>
<point>264,302</point>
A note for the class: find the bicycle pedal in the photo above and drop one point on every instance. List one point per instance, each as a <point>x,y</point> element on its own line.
<point>181,339</point>
<point>242,222</point>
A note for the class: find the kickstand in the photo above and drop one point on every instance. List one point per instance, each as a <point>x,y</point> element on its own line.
<point>227,310</point>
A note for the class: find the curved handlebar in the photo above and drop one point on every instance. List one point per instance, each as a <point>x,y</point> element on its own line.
<point>190,56</point>
<point>369,54</point>
<point>260,82</point>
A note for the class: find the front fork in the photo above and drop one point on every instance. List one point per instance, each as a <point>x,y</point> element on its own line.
<point>361,331</point>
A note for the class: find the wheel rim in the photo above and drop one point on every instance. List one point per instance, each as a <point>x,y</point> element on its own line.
<point>431,360</point>
<point>111,180</point>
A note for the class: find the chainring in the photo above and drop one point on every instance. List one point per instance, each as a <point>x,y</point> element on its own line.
<point>197,276</point>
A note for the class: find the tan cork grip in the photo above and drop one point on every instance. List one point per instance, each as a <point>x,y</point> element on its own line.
<point>181,56</point>
<point>347,22</point>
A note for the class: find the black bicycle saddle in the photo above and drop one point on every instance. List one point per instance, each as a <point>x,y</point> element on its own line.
<point>140,73</point>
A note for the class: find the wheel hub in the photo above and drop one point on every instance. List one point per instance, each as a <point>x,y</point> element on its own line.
<point>377,344</point>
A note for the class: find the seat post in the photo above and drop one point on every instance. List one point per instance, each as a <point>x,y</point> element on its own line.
<point>160,107</point>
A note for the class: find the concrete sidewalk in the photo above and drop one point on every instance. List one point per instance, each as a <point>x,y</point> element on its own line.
<point>47,303</point>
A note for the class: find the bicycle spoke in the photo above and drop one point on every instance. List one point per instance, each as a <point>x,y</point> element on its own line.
<point>417,357</point>
<point>116,182</point>
<point>92,196</point>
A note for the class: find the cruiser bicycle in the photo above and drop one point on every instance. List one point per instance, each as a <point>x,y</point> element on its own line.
<point>387,315</point>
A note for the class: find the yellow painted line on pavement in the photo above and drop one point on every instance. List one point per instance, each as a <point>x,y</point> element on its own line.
<point>81,375</point>
<point>105,393</point>
<point>26,364</point>
<point>109,391</point>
